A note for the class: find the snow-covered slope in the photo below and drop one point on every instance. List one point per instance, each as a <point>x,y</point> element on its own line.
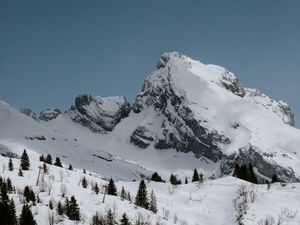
<point>224,201</point>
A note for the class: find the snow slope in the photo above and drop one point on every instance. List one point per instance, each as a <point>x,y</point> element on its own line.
<point>210,203</point>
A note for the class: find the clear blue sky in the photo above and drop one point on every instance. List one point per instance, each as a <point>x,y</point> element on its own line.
<point>51,51</point>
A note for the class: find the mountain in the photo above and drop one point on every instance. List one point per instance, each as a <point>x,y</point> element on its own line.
<point>188,115</point>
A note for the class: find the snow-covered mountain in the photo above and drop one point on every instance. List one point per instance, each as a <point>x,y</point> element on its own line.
<point>188,115</point>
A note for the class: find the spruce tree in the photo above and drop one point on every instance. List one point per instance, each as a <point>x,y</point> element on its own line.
<point>25,164</point>
<point>27,194</point>
<point>50,205</point>
<point>186,180</point>
<point>124,220</point>
<point>42,159</point>
<point>111,188</point>
<point>236,172</point>
<point>9,185</point>
<point>67,207</point>
<point>155,177</point>
<point>96,188</point>
<point>26,217</point>
<point>110,218</point>
<point>74,209</point>
<point>57,162</point>
<point>70,167</point>
<point>98,219</point>
<point>48,159</point>
<point>84,182</point>
<point>10,165</point>
<point>59,209</point>
<point>45,168</point>
<point>123,193</point>
<point>128,196</point>
<point>195,176</point>
<point>20,173</point>
<point>11,216</point>
<point>84,171</point>
<point>32,197</point>
<point>4,201</point>
<point>141,198</point>
<point>153,202</point>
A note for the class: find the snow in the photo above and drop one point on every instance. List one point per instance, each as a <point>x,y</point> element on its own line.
<point>209,203</point>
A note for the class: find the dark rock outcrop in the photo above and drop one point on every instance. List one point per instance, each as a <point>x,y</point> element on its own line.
<point>49,114</point>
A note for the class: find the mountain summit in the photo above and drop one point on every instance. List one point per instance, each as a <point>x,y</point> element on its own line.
<point>188,114</point>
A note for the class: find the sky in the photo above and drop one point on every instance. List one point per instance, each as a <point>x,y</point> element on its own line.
<point>51,51</point>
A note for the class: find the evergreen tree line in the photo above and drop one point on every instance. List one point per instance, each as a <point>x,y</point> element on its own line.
<point>109,219</point>
<point>8,209</point>
<point>245,172</point>
<point>70,208</point>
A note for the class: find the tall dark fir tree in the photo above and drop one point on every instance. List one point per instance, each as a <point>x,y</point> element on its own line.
<point>141,198</point>
<point>26,217</point>
<point>25,163</point>
<point>111,188</point>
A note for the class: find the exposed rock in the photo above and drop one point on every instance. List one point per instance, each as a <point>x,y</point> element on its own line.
<point>28,112</point>
<point>99,114</point>
<point>49,114</point>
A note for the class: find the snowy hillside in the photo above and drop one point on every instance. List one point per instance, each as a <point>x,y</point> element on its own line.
<point>225,201</point>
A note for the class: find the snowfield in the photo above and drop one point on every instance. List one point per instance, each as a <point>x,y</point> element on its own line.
<point>210,203</point>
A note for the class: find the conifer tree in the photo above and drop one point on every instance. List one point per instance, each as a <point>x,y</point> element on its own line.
<point>26,217</point>
<point>195,176</point>
<point>25,164</point>
<point>67,207</point>
<point>48,159</point>
<point>123,193</point>
<point>32,197</point>
<point>42,159</point>
<point>155,177</point>
<point>59,209</point>
<point>252,177</point>
<point>124,220</point>
<point>57,162</point>
<point>84,182</point>
<point>4,201</point>
<point>70,167</point>
<point>236,172</point>
<point>20,173</point>
<point>27,194</point>
<point>74,209</point>
<point>128,196</point>
<point>98,219</point>
<point>11,216</point>
<point>186,180</point>
<point>153,202</point>
<point>84,171</point>
<point>10,165</point>
<point>110,218</point>
<point>9,185</point>
<point>173,180</point>
<point>96,188</point>
<point>141,198</point>
<point>111,188</point>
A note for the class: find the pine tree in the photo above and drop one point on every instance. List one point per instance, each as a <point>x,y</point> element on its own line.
<point>124,220</point>
<point>27,193</point>
<point>173,180</point>
<point>153,202</point>
<point>186,180</point>
<point>57,162</point>
<point>59,209</point>
<point>98,219</point>
<point>110,218</point>
<point>9,185</point>
<point>236,172</point>
<point>123,193</point>
<point>195,176</point>
<point>32,197</point>
<point>26,217</point>
<point>84,183</point>
<point>111,188</point>
<point>67,207</point>
<point>11,216</point>
<point>25,164</point>
<point>155,177</point>
<point>96,188</point>
<point>10,165</point>
<point>128,196</point>
<point>48,159</point>
<point>42,159</point>
<point>84,171</point>
<point>4,201</point>
<point>74,209</point>
<point>20,173</point>
<point>141,198</point>
<point>70,167</point>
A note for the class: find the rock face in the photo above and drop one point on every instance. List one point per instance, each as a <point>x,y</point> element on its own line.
<point>205,110</point>
<point>99,114</point>
<point>49,114</point>
<point>28,112</point>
